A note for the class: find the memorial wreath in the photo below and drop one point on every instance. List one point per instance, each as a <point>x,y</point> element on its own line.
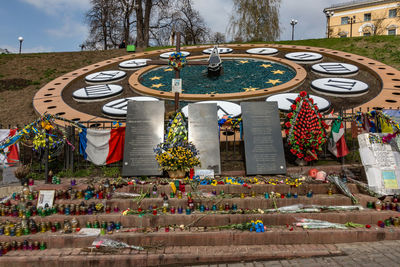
<point>177,60</point>
<point>305,131</point>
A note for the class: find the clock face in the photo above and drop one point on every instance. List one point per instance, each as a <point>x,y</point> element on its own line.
<point>105,76</point>
<point>166,55</point>
<point>224,108</point>
<point>118,108</point>
<point>221,50</point>
<point>97,92</point>
<point>339,86</point>
<point>304,57</point>
<point>287,99</point>
<point>133,63</point>
<point>335,68</point>
<point>262,51</point>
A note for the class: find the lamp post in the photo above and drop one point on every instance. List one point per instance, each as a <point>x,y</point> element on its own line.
<point>293,22</point>
<point>20,39</point>
<point>352,20</point>
<point>328,14</point>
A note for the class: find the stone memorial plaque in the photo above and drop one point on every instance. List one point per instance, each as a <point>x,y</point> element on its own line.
<point>221,50</point>
<point>263,138</point>
<point>7,175</point>
<point>263,51</point>
<point>144,131</point>
<point>204,133</point>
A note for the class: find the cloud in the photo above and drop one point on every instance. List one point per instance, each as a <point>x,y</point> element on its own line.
<point>69,29</point>
<point>216,13</point>
<point>53,7</point>
<point>312,21</point>
<point>36,49</point>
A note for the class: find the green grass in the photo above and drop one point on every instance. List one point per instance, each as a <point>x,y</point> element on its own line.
<point>382,48</point>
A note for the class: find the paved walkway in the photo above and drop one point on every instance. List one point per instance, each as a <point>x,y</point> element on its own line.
<point>384,253</point>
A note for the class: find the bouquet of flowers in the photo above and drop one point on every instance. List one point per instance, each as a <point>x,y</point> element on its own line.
<point>176,153</point>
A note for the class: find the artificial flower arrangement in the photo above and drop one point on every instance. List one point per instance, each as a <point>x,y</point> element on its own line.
<point>305,131</point>
<point>176,153</point>
<point>177,60</point>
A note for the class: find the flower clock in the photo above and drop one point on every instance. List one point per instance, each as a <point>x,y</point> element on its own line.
<point>304,129</point>
<point>176,153</point>
<point>177,60</point>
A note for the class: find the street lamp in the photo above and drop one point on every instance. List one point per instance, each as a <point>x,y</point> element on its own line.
<point>293,22</point>
<point>328,14</point>
<point>20,39</point>
<point>352,20</point>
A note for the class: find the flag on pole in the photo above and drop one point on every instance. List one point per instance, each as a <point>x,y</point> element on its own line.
<point>337,143</point>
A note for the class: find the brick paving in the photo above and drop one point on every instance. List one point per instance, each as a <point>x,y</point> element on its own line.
<point>384,253</point>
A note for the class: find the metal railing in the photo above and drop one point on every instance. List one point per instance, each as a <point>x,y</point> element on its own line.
<point>231,146</point>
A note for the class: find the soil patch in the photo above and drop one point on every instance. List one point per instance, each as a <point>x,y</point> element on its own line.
<point>14,84</point>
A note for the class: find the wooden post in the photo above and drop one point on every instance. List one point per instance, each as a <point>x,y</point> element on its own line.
<point>177,72</point>
<point>46,161</point>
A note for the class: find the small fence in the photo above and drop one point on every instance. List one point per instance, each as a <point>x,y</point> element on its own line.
<point>231,147</point>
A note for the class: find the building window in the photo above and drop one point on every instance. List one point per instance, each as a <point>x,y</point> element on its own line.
<point>392,32</point>
<point>367,17</point>
<point>367,34</point>
<point>343,36</point>
<point>392,13</point>
<point>345,20</point>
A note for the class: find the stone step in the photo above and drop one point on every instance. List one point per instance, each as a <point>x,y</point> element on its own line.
<point>199,219</point>
<point>272,236</point>
<point>258,202</point>
<point>164,256</point>
<point>317,188</point>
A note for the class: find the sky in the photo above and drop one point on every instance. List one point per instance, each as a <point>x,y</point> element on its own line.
<point>59,25</point>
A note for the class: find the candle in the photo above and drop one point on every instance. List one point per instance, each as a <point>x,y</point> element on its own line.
<point>188,211</point>
<point>266,195</point>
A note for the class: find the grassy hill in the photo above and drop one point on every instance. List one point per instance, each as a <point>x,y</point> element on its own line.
<point>22,75</point>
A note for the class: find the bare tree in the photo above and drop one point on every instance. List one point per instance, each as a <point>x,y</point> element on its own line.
<point>180,16</point>
<point>128,16</point>
<point>255,20</point>
<point>191,24</point>
<point>103,21</point>
<point>218,38</point>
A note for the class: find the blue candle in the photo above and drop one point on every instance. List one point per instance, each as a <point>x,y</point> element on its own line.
<point>180,210</point>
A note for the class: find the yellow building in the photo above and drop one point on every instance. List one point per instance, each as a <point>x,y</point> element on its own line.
<point>363,18</point>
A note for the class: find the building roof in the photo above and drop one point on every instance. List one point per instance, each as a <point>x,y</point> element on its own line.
<point>357,4</point>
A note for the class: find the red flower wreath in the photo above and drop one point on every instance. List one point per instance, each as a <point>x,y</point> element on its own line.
<point>304,128</point>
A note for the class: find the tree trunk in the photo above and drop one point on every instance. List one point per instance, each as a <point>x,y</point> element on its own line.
<point>143,23</point>
<point>139,25</point>
<point>105,37</point>
<point>146,34</point>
